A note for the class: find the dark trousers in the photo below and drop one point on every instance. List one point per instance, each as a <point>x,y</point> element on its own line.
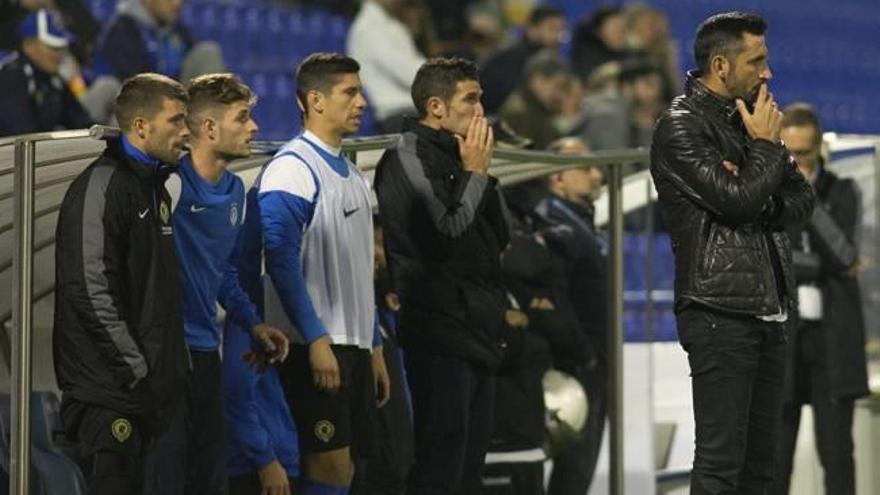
<point>737,373</point>
<point>190,457</point>
<point>249,484</point>
<point>109,448</point>
<point>832,419</point>
<point>453,402</point>
<point>384,472</point>
<point>514,478</point>
<point>573,468</point>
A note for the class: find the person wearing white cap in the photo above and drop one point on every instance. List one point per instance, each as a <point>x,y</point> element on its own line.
<point>33,96</point>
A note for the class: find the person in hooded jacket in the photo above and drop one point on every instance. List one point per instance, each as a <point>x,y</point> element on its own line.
<point>118,341</point>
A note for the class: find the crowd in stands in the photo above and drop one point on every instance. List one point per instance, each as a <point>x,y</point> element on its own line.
<point>604,78</point>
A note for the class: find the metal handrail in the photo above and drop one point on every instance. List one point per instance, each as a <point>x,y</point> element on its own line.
<point>54,161</point>
<point>518,165</point>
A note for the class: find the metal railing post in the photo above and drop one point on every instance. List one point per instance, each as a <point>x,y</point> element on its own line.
<point>22,318</point>
<point>615,334</point>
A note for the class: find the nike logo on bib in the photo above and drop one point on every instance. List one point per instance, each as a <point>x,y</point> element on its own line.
<point>349,213</point>
<point>143,213</point>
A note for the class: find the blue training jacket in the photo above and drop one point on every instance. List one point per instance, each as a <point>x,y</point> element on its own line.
<point>260,427</point>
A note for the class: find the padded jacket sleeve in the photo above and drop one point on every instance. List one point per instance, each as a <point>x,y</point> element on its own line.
<point>684,153</point>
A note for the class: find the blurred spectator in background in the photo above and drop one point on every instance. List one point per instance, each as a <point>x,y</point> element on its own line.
<point>541,330</point>
<point>622,104</point>
<point>648,37</point>
<point>503,71</point>
<point>76,16</point>
<point>571,107</point>
<point>386,49</point>
<point>826,361</point>
<point>605,122</point>
<point>514,464</point>
<point>571,203</point>
<point>484,33</point>
<point>147,36</point>
<point>641,86</point>
<point>417,20</point>
<point>599,39</point>
<point>532,109</point>
<point>11,14</point>
<point>33,96</point>
<point>449,18</point>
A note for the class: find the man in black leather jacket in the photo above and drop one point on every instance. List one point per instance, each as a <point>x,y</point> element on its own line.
<point>728,189</point>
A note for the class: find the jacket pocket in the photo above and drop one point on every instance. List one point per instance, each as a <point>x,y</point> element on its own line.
<point>708,253</point>
<point>166,355</point>
<point>484,309</point>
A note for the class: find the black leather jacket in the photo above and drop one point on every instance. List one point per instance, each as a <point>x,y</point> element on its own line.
<point>727,231</point>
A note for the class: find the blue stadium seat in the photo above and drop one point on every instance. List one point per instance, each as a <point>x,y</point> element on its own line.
<point>252,39</point>
<point>273,40</point>
<point>206,24</point>
<point>298,42</point>
<point>54,473</point>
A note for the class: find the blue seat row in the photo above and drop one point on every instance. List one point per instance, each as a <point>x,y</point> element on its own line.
<point>636,254</point>
<point>260,38</point>
<point>53,471</point>
<point>662,327</point>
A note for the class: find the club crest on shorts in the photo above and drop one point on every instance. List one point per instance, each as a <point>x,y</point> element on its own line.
<point>324,430</point>
<point>121,429</point>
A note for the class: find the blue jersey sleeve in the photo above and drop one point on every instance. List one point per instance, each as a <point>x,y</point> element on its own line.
<point>232,297</point>
<point>284,217</point>
<point>247,432</point>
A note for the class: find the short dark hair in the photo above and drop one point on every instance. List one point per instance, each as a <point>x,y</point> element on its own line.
<point>212,90</point>
<point>438,77</point>
<point>320,71</point>
<point>800,114</point>
<point>143,95</point>
<point>721,34</point>
<point>543,12</point>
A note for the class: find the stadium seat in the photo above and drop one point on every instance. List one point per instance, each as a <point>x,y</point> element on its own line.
<point>54,473</point>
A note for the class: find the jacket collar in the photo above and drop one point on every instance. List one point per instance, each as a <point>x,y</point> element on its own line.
<point>585,212</point>
<point>117,150</point>
<point>824,179</point>
<point>702,96</point>
<point>440,138</point>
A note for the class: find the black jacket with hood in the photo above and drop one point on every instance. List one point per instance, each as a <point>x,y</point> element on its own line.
<point>444,229</point>
<point>118,333</point>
